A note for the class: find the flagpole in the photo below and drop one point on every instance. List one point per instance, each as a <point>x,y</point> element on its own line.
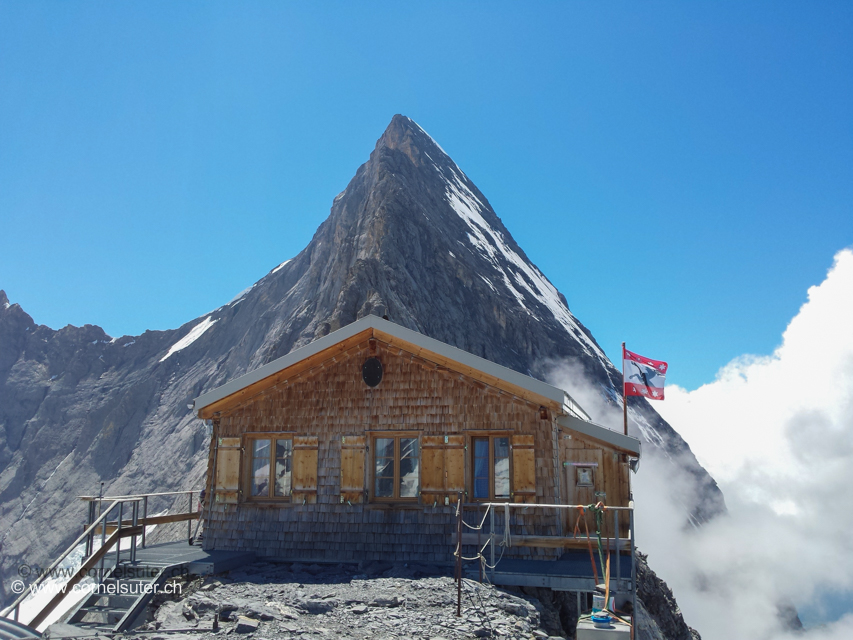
<point>624,394</point>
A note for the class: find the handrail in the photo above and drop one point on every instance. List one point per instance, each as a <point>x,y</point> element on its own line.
<point>528,505</point>
<point>14,606</point>
<point>90,530</point>
<point>139,496</point>
<point>87,565</point>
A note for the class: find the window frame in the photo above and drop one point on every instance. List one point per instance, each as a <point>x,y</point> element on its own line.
<point>472,461</point>
<point>590,467</point>
<point>396,436</point>
<point>248,447</point>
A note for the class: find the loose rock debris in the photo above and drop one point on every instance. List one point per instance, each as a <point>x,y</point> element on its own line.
<point>282,601</point>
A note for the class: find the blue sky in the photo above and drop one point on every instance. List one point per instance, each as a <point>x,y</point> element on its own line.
<point>682,172</point>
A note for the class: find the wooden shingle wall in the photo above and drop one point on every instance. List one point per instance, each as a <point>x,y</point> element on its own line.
<point>331,402</point>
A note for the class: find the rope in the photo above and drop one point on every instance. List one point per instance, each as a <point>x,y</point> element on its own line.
<point>582,512</point>
<point>482,522</point>
<point>506,542</point>
<point>599,510</point>
<point>486,564</point>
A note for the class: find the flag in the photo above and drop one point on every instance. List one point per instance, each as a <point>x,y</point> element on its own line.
<point>642,376</point>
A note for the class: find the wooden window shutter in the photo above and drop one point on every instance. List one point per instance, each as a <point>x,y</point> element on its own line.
<point>227,489</point>
<point>352,469</point>
<point>454,467</point>
<point>442,468</point>
<point>523,469</point>
<point>305,469</point>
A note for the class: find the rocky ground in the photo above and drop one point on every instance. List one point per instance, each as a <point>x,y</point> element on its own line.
<point>282,601</point>
<point>310,602</point>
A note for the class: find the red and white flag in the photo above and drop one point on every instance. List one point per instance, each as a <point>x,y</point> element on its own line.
<point>642,376</point>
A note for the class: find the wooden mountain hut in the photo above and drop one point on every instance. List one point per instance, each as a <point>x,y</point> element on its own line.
<point>356,446</point>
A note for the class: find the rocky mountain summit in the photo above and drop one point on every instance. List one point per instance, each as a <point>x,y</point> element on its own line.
<point>410,238</point>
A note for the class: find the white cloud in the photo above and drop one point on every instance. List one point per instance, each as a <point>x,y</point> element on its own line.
<point>776,432</point>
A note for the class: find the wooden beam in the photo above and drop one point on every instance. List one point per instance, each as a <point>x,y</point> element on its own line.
<point>172,517</point>
<point>150,520</point>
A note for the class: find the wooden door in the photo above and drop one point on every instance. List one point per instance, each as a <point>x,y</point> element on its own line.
<point>584,480</point>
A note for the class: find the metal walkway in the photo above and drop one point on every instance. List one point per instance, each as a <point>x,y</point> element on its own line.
<point>572,572</point>
<point>180,555</point>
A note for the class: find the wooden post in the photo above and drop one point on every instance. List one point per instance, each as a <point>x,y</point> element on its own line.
<point>624,393</point>
<point>90,539</point>
<point>134,523</point>
<point>492,540</point>
<point>103,535</point>
<point>479,549</point>
<point>144,516</point>
<point>190,522</point>
<point>618,551</point>
<point>459,555</point>
<point>118,541</point>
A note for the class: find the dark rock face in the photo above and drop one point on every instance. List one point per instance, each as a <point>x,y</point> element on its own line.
<point>411,237</point>
<point>659,615</point>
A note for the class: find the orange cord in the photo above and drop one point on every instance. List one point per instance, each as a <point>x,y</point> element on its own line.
<point>582,512</point>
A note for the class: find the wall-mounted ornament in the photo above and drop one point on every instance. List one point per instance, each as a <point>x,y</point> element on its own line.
<point>371,372</point>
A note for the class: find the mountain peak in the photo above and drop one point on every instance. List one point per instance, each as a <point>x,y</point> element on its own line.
<point>407,136</point>
<point>411,237</point>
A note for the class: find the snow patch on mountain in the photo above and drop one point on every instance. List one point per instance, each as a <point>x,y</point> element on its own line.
<point>489,282</point>
<point>278,268</point>
<point>194,334</point>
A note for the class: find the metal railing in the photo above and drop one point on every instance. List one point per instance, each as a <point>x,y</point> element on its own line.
<point>505,538</point>
<point>96,504</point>
<point>98,523</point>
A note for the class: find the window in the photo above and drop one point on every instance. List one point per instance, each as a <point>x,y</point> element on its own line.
<point>491,468</point>
<point>585,476</point>
<point>396,469</point>
<point>270,467</point>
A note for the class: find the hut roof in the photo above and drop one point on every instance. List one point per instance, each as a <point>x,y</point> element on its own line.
<point>254,382</point>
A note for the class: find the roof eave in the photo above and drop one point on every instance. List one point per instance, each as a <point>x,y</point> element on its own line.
<point>627,444</point>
